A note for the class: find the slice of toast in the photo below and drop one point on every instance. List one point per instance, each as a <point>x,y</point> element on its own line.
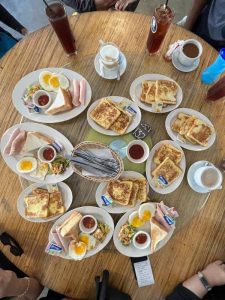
<point>148,91</point>
<point>167,150</point>
<point>133,197</point>
<point>200,133</point>
<point>37,206</point>
<point>120,191</point>
<point>122,122</point>
<point>179,122</point>
<point>55,206</point>
<point>166,91</point>
<point>62,102</point>
<point>158,233</point>
<point>142,191</point>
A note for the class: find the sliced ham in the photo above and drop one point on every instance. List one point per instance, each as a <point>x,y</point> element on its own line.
<point>56,238</point>
<point>10,141</point>
<point>18,143</point>
<point>76,92</point>
<point>63,240</point>
<point>159,216</point>
<point>82,91</point>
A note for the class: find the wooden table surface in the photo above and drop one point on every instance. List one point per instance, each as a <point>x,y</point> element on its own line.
<point>199,242</point>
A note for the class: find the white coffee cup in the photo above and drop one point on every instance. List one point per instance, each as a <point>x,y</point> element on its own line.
<point>208,177</point>
<point>109,55</point>
<point>186,60</point>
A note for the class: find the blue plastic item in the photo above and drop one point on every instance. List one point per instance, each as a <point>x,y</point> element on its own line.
<point>210,74</point>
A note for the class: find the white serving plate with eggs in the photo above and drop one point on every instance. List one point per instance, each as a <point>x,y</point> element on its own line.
<point>11,161</point>
<point>117,99</point>
<point>116,208</point>
<point>66,194</point>
<point>130,250</point>
<point>32,78</point>
<point>150,166</point>
<point>170,119</point>
<point>100,214</point>
<point>135,93</point>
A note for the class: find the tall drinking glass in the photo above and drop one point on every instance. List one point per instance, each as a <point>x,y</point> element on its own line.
<point>161,20</point>
<point>58,18</point>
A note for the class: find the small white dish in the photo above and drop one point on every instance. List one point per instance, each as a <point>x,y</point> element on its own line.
<point>136,87</point>
<point>106,73</point>
<point>41,151</point>
<point>144,245</point>
<point>171,117</point>
<point>150,166</point>
<point>67,197</point>
<point>38,94</point>
<point>177,64</point>
<point>83,228</point>
<point>190,177</point>
<point>144,146</point>
<point>117,99</point>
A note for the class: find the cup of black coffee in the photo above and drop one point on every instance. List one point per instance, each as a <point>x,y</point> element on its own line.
<point>190,52</point>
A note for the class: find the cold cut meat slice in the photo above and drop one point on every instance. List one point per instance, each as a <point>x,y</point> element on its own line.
<point>18,143</point>
<point>10,141</point>
<point>82,91</point>
<point>76,92</point>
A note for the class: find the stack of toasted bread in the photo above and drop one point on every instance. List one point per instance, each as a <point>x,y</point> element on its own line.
<point>110,115</point>
<point>43,204</point>
<point>167,159</point>
<point>192,129</point>
<point>127,191</point>
<point>159,93</point>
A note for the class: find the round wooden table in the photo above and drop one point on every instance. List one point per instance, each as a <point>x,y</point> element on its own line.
<point>42,49</point>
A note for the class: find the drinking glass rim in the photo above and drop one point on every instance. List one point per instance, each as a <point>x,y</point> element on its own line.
<point>64,8</point>
<point>172,11</point>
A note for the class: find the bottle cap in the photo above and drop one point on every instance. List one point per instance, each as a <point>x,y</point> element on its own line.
<point>222,53</point>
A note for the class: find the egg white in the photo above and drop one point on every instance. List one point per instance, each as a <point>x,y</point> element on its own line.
<point>29,159</point>
<point>146,207</point>
<point>131,218</point>
<point>73,254</point>
<point>88,239</point>
<point>44,85</point>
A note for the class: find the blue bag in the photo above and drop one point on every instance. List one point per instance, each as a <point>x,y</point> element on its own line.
<point>6,43</point>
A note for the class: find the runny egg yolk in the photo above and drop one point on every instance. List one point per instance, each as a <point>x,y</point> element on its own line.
<point>79,248</point>
<point>54,81</point>
<point>25,165</point>
<point>137,222</point>
<point>46,78</point>
<point>146,216</point>
<point>84,239</point>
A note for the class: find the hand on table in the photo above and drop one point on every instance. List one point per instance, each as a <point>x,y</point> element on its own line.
<point>122,4</point>
<point>215,273</point>
<point>104,4</point>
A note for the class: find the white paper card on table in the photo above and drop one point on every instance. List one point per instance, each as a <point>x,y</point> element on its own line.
<point>144,273</point>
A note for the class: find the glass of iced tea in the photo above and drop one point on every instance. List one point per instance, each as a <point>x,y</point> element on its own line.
<point>160,23</point>
<point>58,18</point>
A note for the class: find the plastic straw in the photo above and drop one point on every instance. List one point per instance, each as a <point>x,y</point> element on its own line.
<point>167,2</point>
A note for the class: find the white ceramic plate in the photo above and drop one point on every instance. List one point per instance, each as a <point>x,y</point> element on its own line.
<point>100,214</point>
<point>130,250</point>
<point>175,136</point>
<point>116,208</point>
<point>32,78</point>
<point>48,131</point>
<point>135,93</point>
<point>67,198</point>
<point>150,166</point>
<point>135,122</point>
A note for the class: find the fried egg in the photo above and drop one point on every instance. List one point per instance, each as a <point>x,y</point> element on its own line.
<point>146,211</point>
<point>26,165</point>
<point>44,78</point>
<point>88,239</point>
<point>77,250</point>
<point>58,80</point>
<point>134,220</point>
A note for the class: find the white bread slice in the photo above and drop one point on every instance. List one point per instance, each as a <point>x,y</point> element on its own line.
<point>158,233</point>
<point>62,102</point>
<point>35,140</point>
<point>70,227</point>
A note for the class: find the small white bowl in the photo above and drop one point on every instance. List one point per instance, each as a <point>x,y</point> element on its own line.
<point>145,148</point>
<point>40,154</point>
<point>85,229</point>
<point>39,93</point>
<point>144,245</point>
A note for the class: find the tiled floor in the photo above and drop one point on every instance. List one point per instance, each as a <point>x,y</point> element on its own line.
<point>31,12</point>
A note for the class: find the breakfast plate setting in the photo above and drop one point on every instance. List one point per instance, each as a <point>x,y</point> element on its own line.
<point>37,152</point>
<point>114,115</point>
<point>156,93</point>
<point>51,95</point>
<point>119,196</point>
<point>80,233</point>
<point>190,129</point>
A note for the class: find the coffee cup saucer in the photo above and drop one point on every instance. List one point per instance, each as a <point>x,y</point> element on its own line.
<point>110,74</point>
<point>178,65</point>
<point>190,177</point>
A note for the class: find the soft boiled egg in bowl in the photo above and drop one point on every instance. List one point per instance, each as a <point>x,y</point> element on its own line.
<point>88,239</point>
<point>77,250</point>
<point>26,165</point>
<point>146,211</point>
<point>52,81</point>
<point>135,220</point>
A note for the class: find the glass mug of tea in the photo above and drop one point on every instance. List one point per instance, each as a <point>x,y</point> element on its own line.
<point>109,55</point>
<point>209,177</point>
<point>189,52</point>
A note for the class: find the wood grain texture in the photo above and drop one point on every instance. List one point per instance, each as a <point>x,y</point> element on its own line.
<point>201,241</point>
